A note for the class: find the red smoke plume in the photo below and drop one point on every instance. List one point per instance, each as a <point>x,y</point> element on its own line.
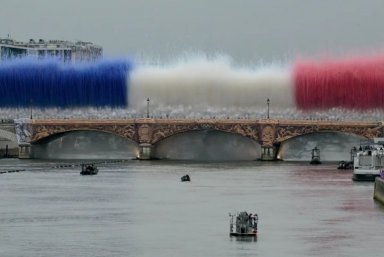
<point>356,83</point>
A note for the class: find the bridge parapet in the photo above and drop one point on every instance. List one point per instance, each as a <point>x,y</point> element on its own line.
<point>290,129</point>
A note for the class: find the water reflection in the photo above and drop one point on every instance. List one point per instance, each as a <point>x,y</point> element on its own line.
<point>243,238</point>
<point>307,211</point>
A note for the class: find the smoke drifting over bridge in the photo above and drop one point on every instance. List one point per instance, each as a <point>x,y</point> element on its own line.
<point>210,82</point>
<point>194,84</point>
<point>51,83</point>
<point>351,83</point>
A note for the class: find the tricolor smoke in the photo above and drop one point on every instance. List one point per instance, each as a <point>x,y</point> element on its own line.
<point>194,83</point>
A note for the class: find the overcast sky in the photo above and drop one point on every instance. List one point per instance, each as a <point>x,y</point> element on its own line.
<point>246,30</point>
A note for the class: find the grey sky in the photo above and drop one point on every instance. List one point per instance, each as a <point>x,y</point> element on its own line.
<point>246,30</point>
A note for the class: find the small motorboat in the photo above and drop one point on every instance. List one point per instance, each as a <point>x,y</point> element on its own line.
<point>185,178</point>
<point>243,224</point>
<point>348,165</point>
<point>344,165</point>
<point>89,169</point>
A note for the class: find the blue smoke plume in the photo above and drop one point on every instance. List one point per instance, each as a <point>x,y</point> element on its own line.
<point>52,83</point>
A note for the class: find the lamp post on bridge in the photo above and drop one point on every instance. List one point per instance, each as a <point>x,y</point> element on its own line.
<point>268,108</point>
<point>30,103</point>
<point>148,107</point>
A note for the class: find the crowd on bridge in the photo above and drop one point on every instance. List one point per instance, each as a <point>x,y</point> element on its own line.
<point>192,113</point>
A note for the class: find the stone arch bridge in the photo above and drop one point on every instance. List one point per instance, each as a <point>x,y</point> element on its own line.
<point>269,133</point>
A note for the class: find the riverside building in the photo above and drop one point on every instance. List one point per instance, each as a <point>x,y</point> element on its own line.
<point>61,49</point>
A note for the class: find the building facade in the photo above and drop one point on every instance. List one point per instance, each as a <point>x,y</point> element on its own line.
<point>60,49</point>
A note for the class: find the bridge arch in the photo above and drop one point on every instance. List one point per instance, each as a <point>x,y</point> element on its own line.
<point>53,136</point>
<point>334,145</point>
<point>45,131</point>
<point>85,144</point>
<point>285,133</point>
<point>207,144</point>
<point>161,132</point>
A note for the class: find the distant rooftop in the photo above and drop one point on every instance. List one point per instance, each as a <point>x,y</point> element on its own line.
<point>62,49</point>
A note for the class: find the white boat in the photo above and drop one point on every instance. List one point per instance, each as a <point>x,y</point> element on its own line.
<point>243,224</point>
<point>369,161</point>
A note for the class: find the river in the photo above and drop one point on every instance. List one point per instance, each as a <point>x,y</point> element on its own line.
<point>140,208</point>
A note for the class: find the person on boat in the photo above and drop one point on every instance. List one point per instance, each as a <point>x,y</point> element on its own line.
<point>256,219</point>
<point>185,178</point>
<point>90,167</point>
<point>250,219</point>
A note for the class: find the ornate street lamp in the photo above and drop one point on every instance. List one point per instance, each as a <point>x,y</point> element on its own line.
<point>148,107</point>
<point>30,103</point>
<point>268,108</point>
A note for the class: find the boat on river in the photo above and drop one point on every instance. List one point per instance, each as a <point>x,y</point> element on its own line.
<point>315,156</point>
<point>185,178</point>
<point>348,165</point>
<point>369,161</point>
<point>345,165</point>
<point>89,169</point>
<point>243,224</point>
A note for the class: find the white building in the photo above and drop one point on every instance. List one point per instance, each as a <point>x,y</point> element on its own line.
<point>63,50</point>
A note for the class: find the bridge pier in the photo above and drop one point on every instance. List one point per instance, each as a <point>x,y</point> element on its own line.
<point>268,153</point>
<point>145,152</point>
<point>25,151</point>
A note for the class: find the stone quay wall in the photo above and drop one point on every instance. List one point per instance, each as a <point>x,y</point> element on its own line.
<point>378,193</point>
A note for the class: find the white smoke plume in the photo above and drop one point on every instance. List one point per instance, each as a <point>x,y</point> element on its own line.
<point>200,82</point>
